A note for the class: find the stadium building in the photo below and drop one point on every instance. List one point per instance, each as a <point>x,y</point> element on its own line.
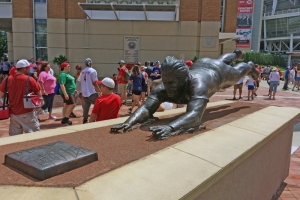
<point>110,30</point>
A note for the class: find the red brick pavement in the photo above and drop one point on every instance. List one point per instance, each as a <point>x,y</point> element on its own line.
<point>282,98</point>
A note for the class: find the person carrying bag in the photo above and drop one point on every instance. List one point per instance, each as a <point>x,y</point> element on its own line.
<point>22,102</point>
<point>30,100</point>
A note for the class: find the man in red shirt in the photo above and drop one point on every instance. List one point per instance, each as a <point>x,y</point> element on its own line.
<point>122,82</point>
<point>21,119</point>
<point>108,105</point>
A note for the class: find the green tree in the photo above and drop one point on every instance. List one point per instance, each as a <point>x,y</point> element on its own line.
<point>195,59</point>
<point>60,59</point>
<point>3,43</point>
<point>264,59</point>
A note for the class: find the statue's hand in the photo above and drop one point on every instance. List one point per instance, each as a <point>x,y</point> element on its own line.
<point>162,132</point>
<point>116,128</point>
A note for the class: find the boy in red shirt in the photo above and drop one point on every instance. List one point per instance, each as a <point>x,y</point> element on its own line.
<point>108,105</point>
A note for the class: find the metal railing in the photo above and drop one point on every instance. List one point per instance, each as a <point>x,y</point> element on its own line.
<point>132,1</point>
<point>283,12</point>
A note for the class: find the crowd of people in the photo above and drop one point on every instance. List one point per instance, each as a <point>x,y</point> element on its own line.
<point>273,77</point>
<point>107,95</point>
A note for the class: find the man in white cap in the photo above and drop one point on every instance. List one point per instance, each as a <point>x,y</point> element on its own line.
<point>122,81</point>
<point>21,119</point>
<point>89,87</point>
<point>108,105</point>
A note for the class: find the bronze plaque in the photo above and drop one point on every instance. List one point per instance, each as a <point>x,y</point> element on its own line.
<point>49,160</point>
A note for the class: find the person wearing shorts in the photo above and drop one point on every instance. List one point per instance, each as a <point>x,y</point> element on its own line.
<point>238,85</point>
<point>67,90</point>
<point>21,119</point>
<point>274,79</point>
<point>136,79</point>
<point>250,83</point>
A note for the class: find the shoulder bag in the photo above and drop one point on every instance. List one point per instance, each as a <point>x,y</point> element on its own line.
<point>4,109</point>
<point>31,100</point>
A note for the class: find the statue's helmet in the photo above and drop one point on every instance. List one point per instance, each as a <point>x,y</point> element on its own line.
<point>174,67</point>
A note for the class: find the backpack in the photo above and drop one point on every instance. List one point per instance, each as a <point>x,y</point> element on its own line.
<point>56,89</point>
<point>127,76</point>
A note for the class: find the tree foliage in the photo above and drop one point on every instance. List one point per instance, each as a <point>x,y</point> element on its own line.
<point>3,43</point>
<point>195,59</point>
<point>59,59</point>
<point>264,59</point>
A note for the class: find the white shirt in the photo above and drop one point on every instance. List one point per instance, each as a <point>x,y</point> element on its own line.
<point>4,66</point>
<point>168,105</point>
<point>250,81</point>
<point>274,76</point>
<point>51,72</point>
<point>292,72</point>
<point>88,76</point>
<point>78,85</point>
<point>240,81</point>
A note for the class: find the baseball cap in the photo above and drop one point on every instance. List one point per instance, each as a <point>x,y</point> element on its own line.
<point>22,63</point>
<point>108,82</point>
<point>157,62</point>
<point>121,61</point>
<point>189,63</point>
<point>64,64</point>
<point>274,69</point>
<point>89,62</point>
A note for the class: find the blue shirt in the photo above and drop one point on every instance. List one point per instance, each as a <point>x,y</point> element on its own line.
<point>156,70</point>
<point>286,73</point>
<point>136,82</point>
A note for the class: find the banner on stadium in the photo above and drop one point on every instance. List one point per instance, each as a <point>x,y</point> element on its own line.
<point>244,23</point>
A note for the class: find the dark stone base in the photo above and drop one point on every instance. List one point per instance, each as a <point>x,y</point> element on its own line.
<point>49,160</point>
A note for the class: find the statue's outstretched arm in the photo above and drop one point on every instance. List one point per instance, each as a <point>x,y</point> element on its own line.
<point>142,114</point>
<point>188,123</point>
<point>227,58</point>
